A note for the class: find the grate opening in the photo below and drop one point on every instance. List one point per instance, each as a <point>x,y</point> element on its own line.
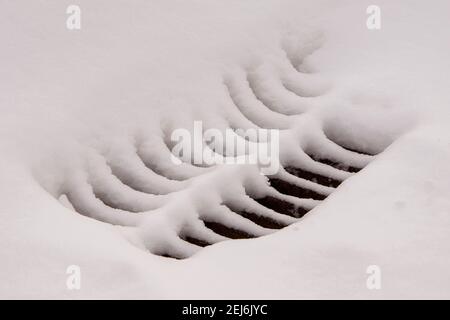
<point>260,220</point>
<point>168,255</point>
<point>226,231</point>
<point>194,240</point>
<point>314,177</point>
<point>295,191</point>
<point>282,207</point>
<point>336,165</point>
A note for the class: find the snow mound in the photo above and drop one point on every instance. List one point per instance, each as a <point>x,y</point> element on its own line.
<point>86,124</point>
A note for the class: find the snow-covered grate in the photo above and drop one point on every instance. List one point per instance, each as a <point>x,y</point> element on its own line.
<point>267,212</point>
<point>177,209</point>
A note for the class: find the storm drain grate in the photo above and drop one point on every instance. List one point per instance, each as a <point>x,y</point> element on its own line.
<point>121,191</point>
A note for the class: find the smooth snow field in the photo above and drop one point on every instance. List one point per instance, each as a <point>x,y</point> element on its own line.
<point>90,185</point>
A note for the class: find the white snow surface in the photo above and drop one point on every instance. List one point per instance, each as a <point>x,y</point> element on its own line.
<point>137,69</point>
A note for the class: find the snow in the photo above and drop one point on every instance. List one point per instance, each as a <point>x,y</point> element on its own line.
<point>84,111</point>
